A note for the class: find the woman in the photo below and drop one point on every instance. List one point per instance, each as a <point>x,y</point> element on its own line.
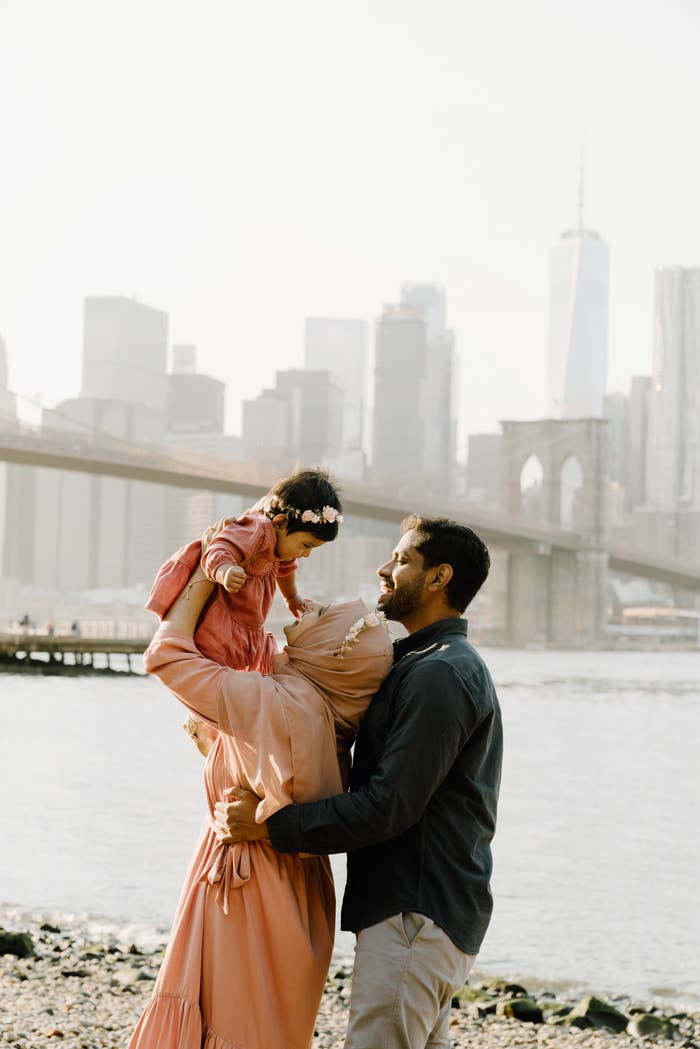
<point>253,934</point>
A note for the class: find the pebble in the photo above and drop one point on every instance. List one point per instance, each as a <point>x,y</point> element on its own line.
<point>89,995</point>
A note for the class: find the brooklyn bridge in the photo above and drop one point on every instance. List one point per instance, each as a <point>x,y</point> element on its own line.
<point>556,576</point>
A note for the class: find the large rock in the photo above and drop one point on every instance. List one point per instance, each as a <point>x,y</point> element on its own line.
<point>502,987</point>
<point>599,1013</point>
<point>485,1007</point>
<point>648,1025</point>
<point>524,1009</point>
<point>567,1020</point>
<point>18,943</point>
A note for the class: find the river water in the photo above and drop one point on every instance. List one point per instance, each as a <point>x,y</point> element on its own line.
<point>597,854</point>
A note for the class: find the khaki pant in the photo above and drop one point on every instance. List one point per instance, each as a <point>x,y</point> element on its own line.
<point>406,973</point>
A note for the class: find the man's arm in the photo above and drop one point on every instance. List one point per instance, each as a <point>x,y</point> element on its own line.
<point>434,717</point>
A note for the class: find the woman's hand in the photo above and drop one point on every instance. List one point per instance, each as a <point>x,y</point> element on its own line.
<point>202,734</point>
<point>298,605</point>
<point>235,817</point>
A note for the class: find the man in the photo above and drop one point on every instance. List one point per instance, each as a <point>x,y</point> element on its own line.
<point>420,815</point>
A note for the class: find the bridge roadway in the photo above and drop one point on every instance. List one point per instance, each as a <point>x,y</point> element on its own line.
<point>180,469</point>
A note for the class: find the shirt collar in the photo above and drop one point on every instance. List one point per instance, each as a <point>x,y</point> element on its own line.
<point>429,635</point>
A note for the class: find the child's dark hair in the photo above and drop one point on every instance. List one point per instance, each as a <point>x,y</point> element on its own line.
<point>306,490</point>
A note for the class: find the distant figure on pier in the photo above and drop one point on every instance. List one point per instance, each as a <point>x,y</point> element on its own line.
<point>248,558</point>
<point>75,628</point>
<point>49,629</point>
<point>25,623</point>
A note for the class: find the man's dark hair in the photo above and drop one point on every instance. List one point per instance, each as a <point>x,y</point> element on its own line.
<point>445,542</point>
<point>305,490</point>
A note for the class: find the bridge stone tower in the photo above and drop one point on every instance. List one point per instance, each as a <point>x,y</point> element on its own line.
<point>554,478</point>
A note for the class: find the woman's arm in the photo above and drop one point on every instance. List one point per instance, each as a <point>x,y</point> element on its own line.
<point>183,615</point>
<point>173,657</point>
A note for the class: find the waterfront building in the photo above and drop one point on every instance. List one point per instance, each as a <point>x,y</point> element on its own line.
<point>578,322</point>
<point>341,345</point>
<point>638,441</point>
<point>73,531</point>
<point>125,345</point>
<point>189,510</point>
<point>91,532</point>
<point>415,390</point>
<point>441,385</point>
<point>15,481</point>
<point>195,417</point>
<point>266,428</point>
<point>196,403</point>
<point>314,413</point>
<point>673,461</point>
<point>398,428</point>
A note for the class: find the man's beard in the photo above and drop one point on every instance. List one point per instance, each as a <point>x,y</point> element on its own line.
<point>400,603</point>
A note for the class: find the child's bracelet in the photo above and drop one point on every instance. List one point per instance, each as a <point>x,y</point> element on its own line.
<point>192,582</point>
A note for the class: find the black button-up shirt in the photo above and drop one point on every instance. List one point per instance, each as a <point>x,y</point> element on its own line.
<point>418,821</point>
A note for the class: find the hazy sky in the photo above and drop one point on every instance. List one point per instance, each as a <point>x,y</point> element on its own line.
<point>243,165</point>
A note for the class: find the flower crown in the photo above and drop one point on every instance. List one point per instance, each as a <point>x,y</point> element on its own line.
<point>327,515</point>
<point>371,619</point>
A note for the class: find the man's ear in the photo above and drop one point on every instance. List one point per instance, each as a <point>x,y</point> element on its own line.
<point>439,577</point>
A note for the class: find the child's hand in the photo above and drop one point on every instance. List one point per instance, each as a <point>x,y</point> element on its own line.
<point>231,577</point>
<point>298,605</point>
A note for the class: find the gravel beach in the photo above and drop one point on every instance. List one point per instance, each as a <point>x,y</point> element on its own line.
<point>60,988</point>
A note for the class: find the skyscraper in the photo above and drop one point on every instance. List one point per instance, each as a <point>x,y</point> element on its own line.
<point>399,393</point>
<point>673,458</point>
<point>339,345</point>
<point>92,532</point>
<point>441,383</point>
<point>578,322</point>
<point>640,391</point>
<point>415,413</point>
<point>196,403</point>
<point>125,345</point>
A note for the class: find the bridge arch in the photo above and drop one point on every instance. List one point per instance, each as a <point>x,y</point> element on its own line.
<point>572,453</point>
<point>570,493</point>
<point>531,487</point>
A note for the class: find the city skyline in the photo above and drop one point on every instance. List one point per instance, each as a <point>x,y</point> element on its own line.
<point>242,180</point>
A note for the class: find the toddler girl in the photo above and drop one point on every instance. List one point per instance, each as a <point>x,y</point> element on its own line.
<point>248,558</point>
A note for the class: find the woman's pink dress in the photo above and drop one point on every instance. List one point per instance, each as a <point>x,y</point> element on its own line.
<point>231,630</point>
<point>253,934</point>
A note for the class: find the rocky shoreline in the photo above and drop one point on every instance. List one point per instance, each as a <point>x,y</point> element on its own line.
<point>59,987</point>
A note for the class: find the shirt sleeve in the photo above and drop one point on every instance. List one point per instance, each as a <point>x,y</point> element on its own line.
<point>434,717</point>
<point>235,544</point>
<point>286,568</point>
<point>195,680</point>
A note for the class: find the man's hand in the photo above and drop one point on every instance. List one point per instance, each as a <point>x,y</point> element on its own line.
<point>235,817</point>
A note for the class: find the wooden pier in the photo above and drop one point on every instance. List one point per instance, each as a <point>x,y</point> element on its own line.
<point>71,653</point>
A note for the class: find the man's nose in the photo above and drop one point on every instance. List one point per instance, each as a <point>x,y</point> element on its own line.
<point>385,569</point>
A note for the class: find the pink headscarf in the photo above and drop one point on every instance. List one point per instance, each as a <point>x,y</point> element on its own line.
<point>355,675</point>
